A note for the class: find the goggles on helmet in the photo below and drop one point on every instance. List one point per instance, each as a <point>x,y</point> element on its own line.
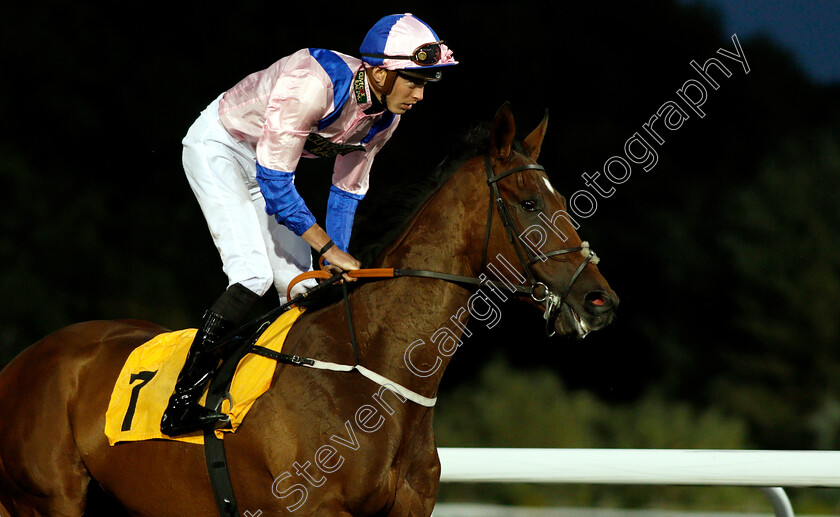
<point>427,54</point>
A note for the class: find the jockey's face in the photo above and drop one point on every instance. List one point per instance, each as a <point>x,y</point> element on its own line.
<point>407,92</point>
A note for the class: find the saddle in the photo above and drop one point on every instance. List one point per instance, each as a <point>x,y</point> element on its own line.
<point>148,377</point>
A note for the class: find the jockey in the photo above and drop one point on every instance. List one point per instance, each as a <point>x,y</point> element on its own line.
<point>240,158</point>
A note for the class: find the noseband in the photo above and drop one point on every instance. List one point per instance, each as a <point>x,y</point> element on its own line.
<point>527,257</point>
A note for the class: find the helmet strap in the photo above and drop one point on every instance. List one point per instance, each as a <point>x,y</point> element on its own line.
<point>387,85</point>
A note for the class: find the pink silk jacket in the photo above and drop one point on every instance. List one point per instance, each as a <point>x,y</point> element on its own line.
<point>311,104</point>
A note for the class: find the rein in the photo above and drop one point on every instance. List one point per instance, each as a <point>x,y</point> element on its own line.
<point>527,258</point>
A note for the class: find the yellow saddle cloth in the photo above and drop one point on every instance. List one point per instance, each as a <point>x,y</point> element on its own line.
<point>148,378</point>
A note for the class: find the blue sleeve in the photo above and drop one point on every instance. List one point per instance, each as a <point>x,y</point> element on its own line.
<point>283,201</point>
<point>341,209</point>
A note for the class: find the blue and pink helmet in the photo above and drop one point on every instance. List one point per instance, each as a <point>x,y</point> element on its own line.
<point>406,43</point>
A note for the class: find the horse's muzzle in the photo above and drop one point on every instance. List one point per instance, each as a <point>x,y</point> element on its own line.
<point>565,318</point>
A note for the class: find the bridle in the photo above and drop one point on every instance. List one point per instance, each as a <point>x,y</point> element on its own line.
<point>538,291</point>
<point>527,257</point>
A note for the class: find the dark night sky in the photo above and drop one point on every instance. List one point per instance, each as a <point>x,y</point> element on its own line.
<point>808,28</point>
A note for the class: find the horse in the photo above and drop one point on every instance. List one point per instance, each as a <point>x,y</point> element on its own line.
<point>321,442</point>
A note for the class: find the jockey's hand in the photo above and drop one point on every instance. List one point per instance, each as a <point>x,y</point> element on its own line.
<point>340,261</point>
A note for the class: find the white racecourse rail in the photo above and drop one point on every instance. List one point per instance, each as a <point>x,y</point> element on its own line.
<point>647,467</point>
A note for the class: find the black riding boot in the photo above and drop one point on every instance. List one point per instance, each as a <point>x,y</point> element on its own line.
<point>184,414</point>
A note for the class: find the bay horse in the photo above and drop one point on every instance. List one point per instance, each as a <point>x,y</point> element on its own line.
<point>319,442</point>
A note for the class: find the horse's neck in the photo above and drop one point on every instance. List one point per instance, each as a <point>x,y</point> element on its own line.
<point>418,321</point>
<point>442,234</point>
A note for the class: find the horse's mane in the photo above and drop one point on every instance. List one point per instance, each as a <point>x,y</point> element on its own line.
<point>390,212</point>
<point>387,215</point>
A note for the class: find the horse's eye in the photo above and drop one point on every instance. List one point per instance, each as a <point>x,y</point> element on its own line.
<point>528,205</point>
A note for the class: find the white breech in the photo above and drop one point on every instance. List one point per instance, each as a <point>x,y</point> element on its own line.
<point>256,250</point>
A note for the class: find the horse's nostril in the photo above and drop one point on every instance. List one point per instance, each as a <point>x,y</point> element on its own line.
<point>598,300</point>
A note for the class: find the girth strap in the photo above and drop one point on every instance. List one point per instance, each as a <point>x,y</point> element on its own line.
<point>214,447</point>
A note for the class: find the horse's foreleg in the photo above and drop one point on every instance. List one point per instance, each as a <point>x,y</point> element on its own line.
<point>417,492</point>
<point>410,503</point>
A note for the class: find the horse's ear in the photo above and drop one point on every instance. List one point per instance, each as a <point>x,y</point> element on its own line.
<point>533,143</point>
<point>504,131</point>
